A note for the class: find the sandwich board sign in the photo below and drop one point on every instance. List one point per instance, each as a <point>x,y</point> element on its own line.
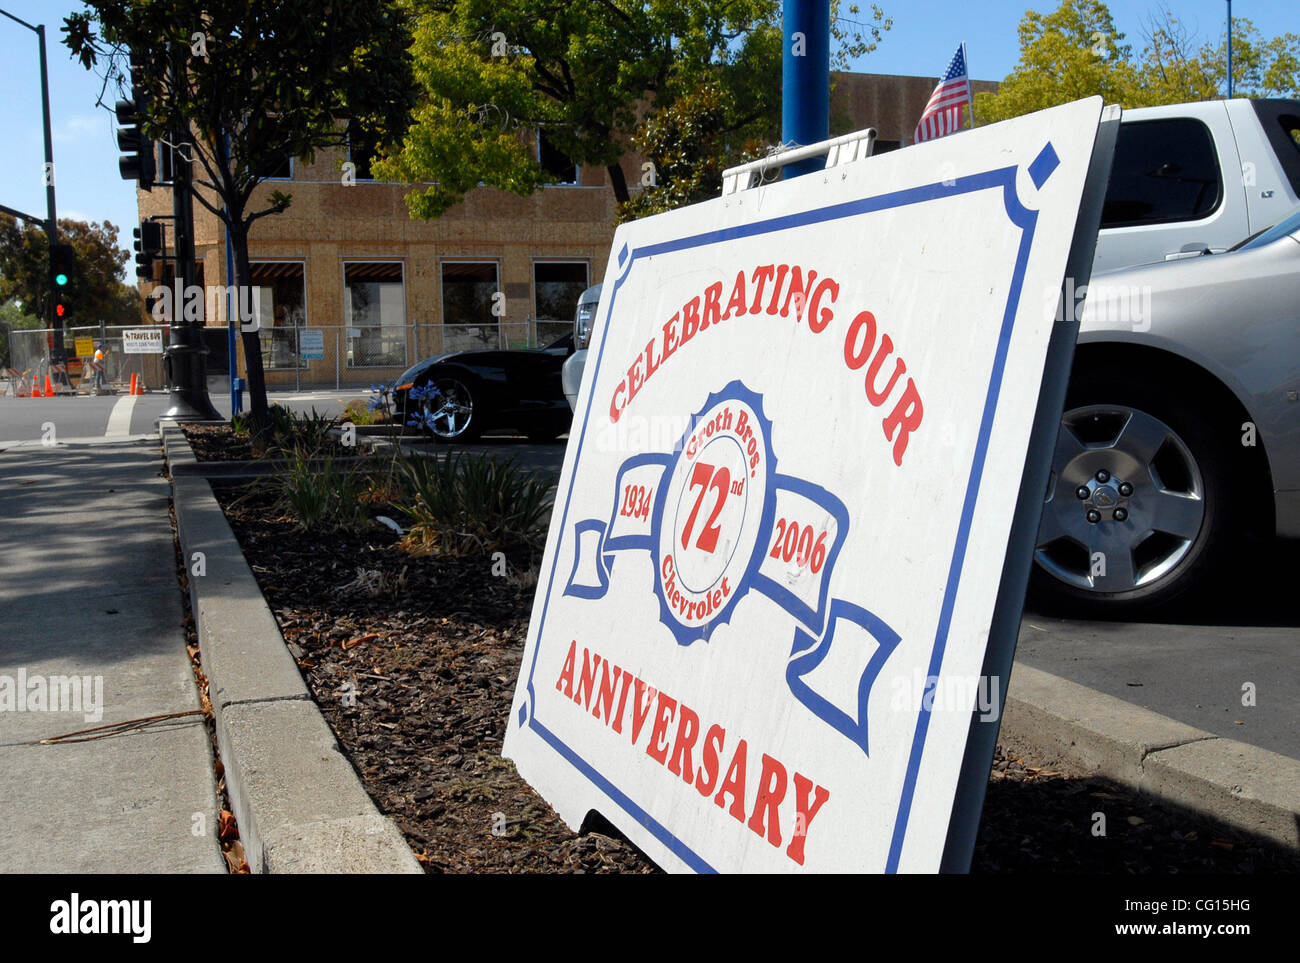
<point>775,569</point>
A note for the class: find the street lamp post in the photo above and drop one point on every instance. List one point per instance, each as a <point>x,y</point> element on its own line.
<point>1229,49</point>
<point>57,352</point>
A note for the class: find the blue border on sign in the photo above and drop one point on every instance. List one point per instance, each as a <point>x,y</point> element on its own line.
<point>618,543</point>
<point>814,619</point>
<point>1020,216</point>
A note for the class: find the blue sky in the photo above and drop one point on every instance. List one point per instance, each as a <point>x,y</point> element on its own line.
<point>924,36</point>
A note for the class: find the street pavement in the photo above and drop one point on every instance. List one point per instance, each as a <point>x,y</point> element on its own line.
<point>90,607</point>
<point>124,416</point>
<point>1197,666</point>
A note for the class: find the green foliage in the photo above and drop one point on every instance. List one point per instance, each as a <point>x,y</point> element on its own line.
<point>307,430</point>
<point>320,493</point>
<point>94,290</point>
<point>360,414</point>
<point>1072,52</point>
<point>280,420</point>
<point>689,146</point>
<point>13,317</point>
<point>588,72</point>
<point>1076,52</point>
<point>1175,68</point>
<point>472,502</point>
<point>287,430</point>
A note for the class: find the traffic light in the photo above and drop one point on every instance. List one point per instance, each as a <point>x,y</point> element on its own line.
<point>136,163</point>
<point>62,261</point>
<point>148,247</point>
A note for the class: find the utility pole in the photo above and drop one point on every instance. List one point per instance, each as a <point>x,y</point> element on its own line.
<point>806,79</point>
<point>186,367</point>
<point>1229,49</point>
<point>58,354</point>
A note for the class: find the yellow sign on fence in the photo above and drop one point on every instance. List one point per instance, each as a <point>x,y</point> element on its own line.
<point>85,347</point>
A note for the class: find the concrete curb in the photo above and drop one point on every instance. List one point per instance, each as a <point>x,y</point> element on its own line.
<point>300,805</point>
<point>1239,785</point>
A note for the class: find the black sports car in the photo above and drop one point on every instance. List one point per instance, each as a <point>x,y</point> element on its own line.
<point>458,396</point>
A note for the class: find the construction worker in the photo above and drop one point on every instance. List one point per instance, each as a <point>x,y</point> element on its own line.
<point>101,356</point>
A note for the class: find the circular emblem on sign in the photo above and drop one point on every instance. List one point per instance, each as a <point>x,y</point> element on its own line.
<point>712,512</point>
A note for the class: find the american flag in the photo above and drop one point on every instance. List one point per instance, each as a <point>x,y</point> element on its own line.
<point>943,113</point>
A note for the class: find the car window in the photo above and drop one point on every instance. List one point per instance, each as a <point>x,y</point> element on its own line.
<point>1281,122</point>
<point>565,342</point>
<point>1164,170</point>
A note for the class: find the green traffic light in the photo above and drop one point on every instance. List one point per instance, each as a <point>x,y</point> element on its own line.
<point>60,279</point>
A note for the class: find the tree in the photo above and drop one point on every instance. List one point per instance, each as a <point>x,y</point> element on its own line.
<point>1071,53</point>
<point>260,83</point>
<point>587,74</point>
<point>689,146</point>
<point>95,292</point>
<point>1175,69</point>
<point>14,316</point>
<point>1076,52</point>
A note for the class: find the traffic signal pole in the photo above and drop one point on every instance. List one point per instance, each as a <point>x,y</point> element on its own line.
<point>185,358</point>
<point>58,354</point>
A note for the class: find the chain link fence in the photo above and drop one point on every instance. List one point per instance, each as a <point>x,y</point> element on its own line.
<point>29,356</point>
<point>351,356</point>
<point>299,357</point>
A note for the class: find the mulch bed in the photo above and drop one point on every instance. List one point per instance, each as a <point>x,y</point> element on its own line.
<point>220,443</point>
<point>413,662</point>
<point>217,443</point>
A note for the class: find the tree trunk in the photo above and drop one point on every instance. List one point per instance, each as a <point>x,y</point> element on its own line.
<point>619,182</point>
<point>251,339</point>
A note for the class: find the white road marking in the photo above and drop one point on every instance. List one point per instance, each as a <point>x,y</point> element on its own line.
<point>119,419</point>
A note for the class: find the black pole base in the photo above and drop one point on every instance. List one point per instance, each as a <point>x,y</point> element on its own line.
<point>187,381</point>
<point>183,405</point>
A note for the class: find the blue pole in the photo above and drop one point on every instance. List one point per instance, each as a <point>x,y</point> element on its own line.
<point>806,79</point>
<point>1229,49</point>
<point>232,310</point>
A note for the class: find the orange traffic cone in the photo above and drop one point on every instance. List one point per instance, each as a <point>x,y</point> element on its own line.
<point>49,388</point>
<point>139,385</point>
<point>132,391</point>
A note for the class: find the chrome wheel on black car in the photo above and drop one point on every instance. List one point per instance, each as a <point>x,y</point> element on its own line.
<point>447,410</point>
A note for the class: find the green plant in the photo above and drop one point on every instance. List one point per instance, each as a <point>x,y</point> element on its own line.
<point>306,430</point>
<point>321,494</point>
<point>359,413</point>
<point>465,503</point>
<point>281,421</point>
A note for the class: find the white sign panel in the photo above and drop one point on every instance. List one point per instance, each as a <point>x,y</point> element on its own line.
<point>142,341</point>
<point>785,505</point>
<point>311,344</point>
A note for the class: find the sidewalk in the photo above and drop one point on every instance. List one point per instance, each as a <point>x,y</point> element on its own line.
<point>88,591</point>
